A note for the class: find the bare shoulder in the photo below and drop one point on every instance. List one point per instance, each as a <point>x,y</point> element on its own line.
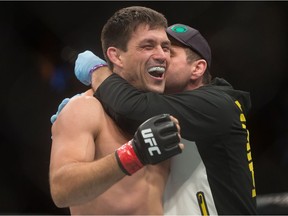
<point>75,130</point>
<point>80,113</point>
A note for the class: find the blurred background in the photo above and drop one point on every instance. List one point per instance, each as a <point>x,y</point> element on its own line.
<point>39,44</point>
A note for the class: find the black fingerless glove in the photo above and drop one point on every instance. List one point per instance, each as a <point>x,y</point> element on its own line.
<point>154,141</point>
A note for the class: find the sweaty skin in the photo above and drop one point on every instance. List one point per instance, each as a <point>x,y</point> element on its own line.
<point>77,187</point>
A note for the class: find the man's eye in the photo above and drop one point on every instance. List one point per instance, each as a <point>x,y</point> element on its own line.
<point>148,47</point>
<point>166,49</point>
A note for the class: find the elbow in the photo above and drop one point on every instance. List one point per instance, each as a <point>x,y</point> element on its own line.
<point>59,194</point>
<point>58,201</point>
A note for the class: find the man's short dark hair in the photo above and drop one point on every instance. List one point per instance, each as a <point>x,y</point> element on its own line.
<point>118,29</point>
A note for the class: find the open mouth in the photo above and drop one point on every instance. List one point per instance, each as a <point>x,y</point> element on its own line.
<point>157,72</point>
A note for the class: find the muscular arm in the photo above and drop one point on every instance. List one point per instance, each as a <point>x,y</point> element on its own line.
<point>83,131</point>
<point>75,176</point>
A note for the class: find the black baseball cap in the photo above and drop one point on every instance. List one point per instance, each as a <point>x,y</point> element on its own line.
<point>192,38</point>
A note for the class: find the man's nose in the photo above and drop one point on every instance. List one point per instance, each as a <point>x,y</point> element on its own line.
<point>161,55</point>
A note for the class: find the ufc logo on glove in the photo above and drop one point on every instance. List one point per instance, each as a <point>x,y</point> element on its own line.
<point>155,140</point>
<point>149,138</point>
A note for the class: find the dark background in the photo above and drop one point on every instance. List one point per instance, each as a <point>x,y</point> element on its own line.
<point>39,42</point>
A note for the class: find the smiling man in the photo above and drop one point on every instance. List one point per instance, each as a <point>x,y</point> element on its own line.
<point>89,167</point>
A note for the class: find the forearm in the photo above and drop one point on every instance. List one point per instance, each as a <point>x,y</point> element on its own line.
<point>77,183</point>
<point>99,76</point>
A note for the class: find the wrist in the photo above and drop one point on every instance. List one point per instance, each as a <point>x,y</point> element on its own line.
<point>103,73</point>
<point>127,159</point>
<point>96,67</point>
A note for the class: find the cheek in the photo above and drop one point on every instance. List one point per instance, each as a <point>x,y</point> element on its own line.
<point>177,65</point>
<point>134,72</point>
<point>170,72</point>
<point>174,68</point>
<point>177,75</point>
<point>134,61</point>
<point>171,77</point>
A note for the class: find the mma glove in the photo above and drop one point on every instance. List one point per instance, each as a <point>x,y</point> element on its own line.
<point>154,141</point>
<point>85,64</point>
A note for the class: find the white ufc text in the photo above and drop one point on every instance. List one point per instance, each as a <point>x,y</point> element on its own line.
<point>149,138</point>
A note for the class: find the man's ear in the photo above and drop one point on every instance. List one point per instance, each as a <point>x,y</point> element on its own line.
<point>199,68</point>
<point>113,54</point>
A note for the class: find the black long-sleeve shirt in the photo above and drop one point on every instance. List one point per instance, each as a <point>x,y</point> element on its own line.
<point>213,128</point>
